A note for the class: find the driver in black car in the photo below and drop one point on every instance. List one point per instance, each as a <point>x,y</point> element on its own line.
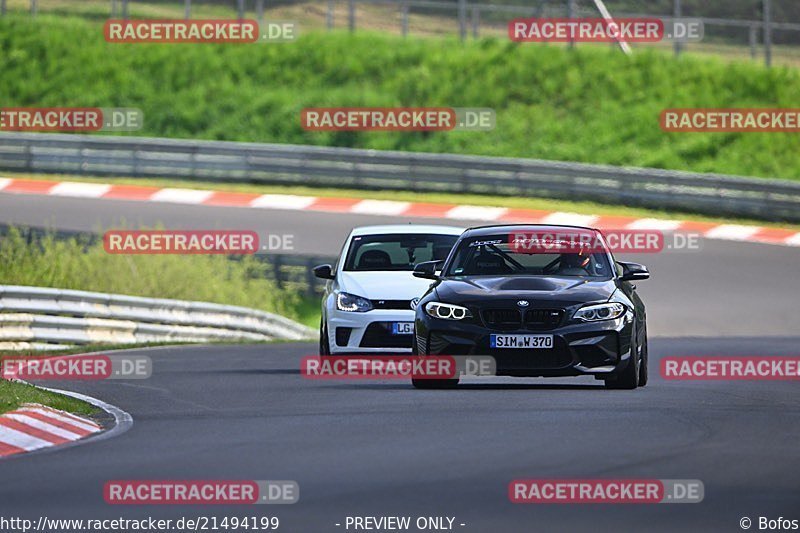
<point>574,264</point>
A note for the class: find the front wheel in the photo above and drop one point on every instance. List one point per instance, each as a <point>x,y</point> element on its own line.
<point>324,343</point>
<point>643,364</point>
<point>429,384</point>
<point>628,379</point>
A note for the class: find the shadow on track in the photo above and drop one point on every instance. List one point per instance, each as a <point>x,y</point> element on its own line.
<point>470,386</point>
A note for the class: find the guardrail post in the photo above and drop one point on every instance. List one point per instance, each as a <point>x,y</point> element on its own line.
<point>677,11</point>
<point>187,9</point>
<point>351,15</point>
<point>476,21</point>
<point>570,15</point>
<point>125,9</point>
<point>260,11</point>
<point>462,19</point>
<point>404,17</point>
<point>329,15</point>
<point>240,9</point>
<point>2,7</point>
<point>276,269</point>
<point>411,174</point>
<point>767,32</point>
<point>136,161</point>
<point>34,7</point>
<point>29,156</point>
<point>193,162</point>
<point>311,279</point>
<point>753,40</point>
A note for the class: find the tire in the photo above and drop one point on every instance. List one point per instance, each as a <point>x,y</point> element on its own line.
<point>643,367</point>
<point>628,379</point>
<point>324,343</point>
<point>429,384</point>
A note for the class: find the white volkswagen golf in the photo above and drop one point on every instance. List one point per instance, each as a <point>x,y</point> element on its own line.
<point>369,301</point>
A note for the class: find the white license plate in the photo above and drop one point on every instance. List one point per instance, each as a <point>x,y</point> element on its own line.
<point>521,341</point>
<point>402,328</point>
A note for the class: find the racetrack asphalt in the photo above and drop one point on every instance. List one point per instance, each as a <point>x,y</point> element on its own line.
<point>384,448</point>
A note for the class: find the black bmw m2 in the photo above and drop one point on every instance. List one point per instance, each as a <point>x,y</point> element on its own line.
<point>542,300</point>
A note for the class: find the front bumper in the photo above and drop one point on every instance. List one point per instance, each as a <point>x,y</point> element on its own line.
<point>600,348</point>
<point>368,333</point>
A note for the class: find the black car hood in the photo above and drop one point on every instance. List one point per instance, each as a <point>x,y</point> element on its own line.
<point>541,290</point>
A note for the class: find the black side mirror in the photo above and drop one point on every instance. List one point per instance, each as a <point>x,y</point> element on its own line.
<point>427,269</point>
<point>633,271</point>
<point>323,271</point>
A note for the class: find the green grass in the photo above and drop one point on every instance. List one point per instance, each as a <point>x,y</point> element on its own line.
<point>591,104</point>
<point>308,312</point>
<point>72,264</point>
<point>14,394</point>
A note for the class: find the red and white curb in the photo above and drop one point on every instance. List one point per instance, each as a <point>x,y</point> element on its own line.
<point>33,427</point>
<point>709,230</point>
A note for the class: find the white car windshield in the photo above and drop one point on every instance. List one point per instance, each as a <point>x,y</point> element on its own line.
<point>396,251</point>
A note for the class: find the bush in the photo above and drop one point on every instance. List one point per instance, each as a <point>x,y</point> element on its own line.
<point>74,264</point>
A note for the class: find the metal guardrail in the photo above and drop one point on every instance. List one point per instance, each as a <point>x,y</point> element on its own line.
<point>474,15</point>
<point>286,164</point>
<point>37,317</point>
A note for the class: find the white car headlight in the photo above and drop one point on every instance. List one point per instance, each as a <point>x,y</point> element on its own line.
<point>447,311</point>
<point>595,312</point>
<point>350,302</point>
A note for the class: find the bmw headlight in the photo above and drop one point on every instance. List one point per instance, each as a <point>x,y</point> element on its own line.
<point>592,313</point>
<point>447,311</point>
<point>350,302</point>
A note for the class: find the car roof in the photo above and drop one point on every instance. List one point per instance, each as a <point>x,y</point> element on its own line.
<point>407,228</point>
<point>481,231</point>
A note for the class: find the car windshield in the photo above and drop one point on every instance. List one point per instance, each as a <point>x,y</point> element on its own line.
<point>501,255</point>
<point>396,251</point>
